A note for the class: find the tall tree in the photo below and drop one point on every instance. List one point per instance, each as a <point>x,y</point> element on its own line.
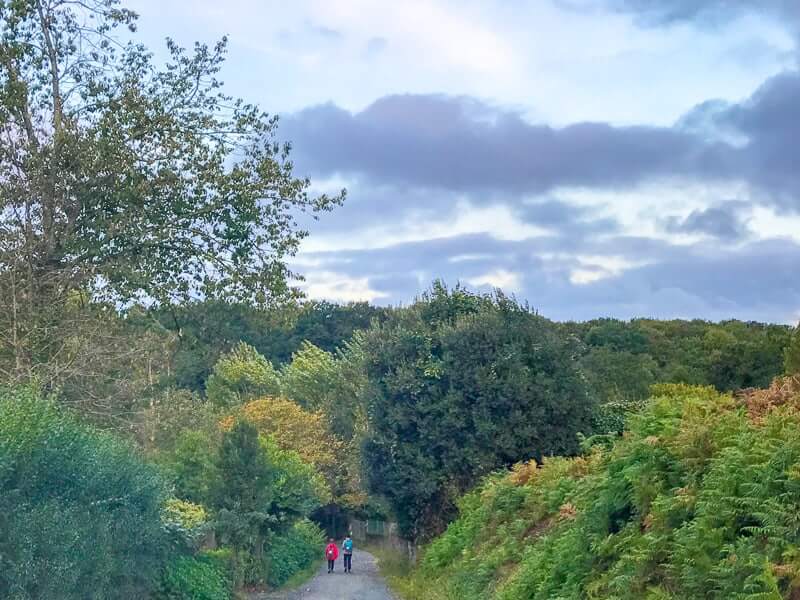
<point>460,385</point>
<point>128,182</point>
<point>792,354</point>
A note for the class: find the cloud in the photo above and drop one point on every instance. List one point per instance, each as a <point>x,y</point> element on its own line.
<point>462,144</point>
<point>665,12</point>
<point>724,222</point>
<point>619,277</point>
<point>507,281</point>
<point>339,287</point>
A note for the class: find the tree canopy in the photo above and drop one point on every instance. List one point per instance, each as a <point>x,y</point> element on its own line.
<point>128,181</point>
<point>461,384</point>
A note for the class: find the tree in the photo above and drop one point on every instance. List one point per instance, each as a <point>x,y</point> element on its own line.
<point>307,434</point>
<point>207,329</point>
<point>306,377</point>
<point>241,375</point>
<point>259,492</point>
<point>126,182</point>
<point>792,354</point>
<point>461,385</point>
<point>80,513</point>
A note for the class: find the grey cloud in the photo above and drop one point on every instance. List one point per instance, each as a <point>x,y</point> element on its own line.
<point>771,121</point>
<point>724,222</point>
<point>461,144</point>
<point>564,219</point>
<point>660,12</point>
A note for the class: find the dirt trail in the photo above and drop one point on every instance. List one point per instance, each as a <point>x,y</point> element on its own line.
<point>364,583</point>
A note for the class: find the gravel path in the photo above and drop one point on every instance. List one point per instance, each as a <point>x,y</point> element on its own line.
<point>364,583</point>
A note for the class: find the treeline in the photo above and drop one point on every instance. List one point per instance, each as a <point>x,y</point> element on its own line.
<point>405,411</point>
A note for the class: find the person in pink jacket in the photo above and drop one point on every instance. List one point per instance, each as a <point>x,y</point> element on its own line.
<point>331,553</point>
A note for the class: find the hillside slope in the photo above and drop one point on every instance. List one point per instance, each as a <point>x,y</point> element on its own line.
<point>700,498</point>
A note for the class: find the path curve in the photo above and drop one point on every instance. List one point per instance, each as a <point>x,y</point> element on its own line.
<point>364,583</point>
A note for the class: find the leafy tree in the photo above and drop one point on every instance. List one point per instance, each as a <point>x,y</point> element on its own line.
<point>80,513</point>
<point>792,354</point>
<point>460,385</point>
<point>307,434</point>
<point>259,491</point>
<point>209,328</point>
<point>127,182</point>
<point>193,465</point>
<point>243,491</point>
<point>307,377</point>
<point>292,428</point>
<point>241,375</point>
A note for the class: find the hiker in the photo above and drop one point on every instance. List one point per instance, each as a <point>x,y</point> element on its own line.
<point>347,553</point>
<point>331,553</point>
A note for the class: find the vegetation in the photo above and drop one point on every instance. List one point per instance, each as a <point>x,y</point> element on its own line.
<point>698,500</point>
<point>792,353</point>
<point>460,385</point>
<point>294,552</point>
<point>176,423</point>
<point>80,511</point>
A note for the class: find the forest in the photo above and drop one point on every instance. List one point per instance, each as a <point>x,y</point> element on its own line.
<point>177,421</point>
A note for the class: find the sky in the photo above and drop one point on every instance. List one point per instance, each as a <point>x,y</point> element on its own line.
<point>623,158</point>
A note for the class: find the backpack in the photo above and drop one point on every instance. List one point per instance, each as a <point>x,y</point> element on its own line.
<point>348,546</point>
<point>330,553</point>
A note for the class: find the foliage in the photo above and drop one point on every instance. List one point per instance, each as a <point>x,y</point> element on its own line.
<point>699,499</point>
<point>294,429</point>
<point>256,489</point>
<point>243,490</point>
<point>306,377</point>
<point>621,359</point>
<point>169,415</point>
<point>207,329</point>
<point>187,522</point>
<point>241,375</point>
<point>123,182</point>
<point>79,511</point>
<point>459,385</point>
<point>191,578</point>
<point>729,355</point>
<point>298,489</point>
<point>193,466</point>
<point>792,354</point>
<point>294,551</point>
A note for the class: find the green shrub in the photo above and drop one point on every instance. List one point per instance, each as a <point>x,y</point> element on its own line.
<point>187,522</point>
<point>699,499</point>
<point>227,561</point>
<point>294,551</point>
<point>190,578</point>
<point>80,513</point>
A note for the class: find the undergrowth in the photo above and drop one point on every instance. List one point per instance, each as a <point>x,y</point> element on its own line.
<point>699,498</point>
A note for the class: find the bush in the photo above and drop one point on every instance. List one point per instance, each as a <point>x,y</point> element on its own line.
<point>294,551</point>
<point>228,561</point>
<point>699,499</point>
<point>190,578</point>
<point>187,522</point>
<point>80,513</point>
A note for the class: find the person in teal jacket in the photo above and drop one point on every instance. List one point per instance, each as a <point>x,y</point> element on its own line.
<point>347,553</point>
